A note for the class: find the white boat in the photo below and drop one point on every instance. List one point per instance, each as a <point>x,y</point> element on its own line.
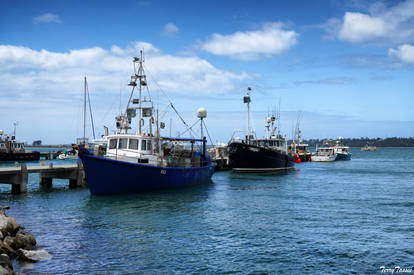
<point>369,148</point>
<point>342,152</point>
<point>67,155</point>
<point>220,155</point>
<point>324,154</point>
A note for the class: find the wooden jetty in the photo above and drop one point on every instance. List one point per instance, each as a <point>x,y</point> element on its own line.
<point>18,176</point>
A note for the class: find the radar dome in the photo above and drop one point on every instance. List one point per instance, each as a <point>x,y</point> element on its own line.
<point>201,113</point>
<point>1,132</point>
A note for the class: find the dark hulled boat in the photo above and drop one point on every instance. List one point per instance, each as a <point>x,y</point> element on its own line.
<point>259,155</point>
<point>10,150</point>
<point>253,158</point>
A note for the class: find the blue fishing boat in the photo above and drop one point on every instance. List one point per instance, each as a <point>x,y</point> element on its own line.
<point>143,161</point>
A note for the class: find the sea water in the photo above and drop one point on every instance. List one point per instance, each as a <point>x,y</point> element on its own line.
<point>345,217</point>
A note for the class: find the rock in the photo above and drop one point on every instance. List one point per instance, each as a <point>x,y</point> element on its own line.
<point>8,225</point>
<point>7,249</point>
<point>21,240</point>
<point>33,255</point>
<point>5,271</point>
<point>14,226</point>
<point>4,224</point>
<point>5,261</point>
<point>24,240</point>
<point>1,236</point>
<point>8,240</point>
<point>6,266</point>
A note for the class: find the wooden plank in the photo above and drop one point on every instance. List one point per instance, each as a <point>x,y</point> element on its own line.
<point>37,169</point>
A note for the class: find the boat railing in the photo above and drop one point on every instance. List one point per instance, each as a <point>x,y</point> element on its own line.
<point>233,139</point>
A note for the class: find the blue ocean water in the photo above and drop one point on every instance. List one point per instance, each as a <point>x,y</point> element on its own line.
<point>348,217</point>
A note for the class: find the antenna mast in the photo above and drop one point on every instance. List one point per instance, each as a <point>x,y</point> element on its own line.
<point>84,110</point>
<point>247,100</point>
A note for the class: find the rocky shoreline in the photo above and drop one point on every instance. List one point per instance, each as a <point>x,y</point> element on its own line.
<point>15,242</point>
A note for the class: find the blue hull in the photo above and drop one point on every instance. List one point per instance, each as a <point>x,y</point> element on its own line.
<point>107,176</point>
<point>343,157</point>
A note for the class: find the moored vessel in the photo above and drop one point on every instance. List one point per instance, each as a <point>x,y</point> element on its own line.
<point>369,148</point>
<point>219,154</point>
<point>144,160</point>
<point>11,150</point>
<point>253,154</point>
<point>342,152</point>
<point>324,154</point>
<point>300,150</point>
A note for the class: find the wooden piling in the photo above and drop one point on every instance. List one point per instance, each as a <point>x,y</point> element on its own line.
<point>19,181</point>
<point>75,183</point>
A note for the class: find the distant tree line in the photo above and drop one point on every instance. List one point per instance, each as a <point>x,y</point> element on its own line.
<point>360,142</point>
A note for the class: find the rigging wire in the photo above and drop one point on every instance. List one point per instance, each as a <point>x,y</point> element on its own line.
<point>168,98</point>
<point>211,141</point>
<point>190,128</point>
<point>90,109</point>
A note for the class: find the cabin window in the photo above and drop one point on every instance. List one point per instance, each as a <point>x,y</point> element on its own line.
<point>133,144</point>
<point>148,144</point>
<point>143,145</point>
<point>122,144</point>
<point>112,143</point>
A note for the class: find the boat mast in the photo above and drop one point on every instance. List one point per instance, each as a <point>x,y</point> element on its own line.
<point>15,125</point>
<point>84,111</point>
<point>140,75</point>
<point>247,100</point>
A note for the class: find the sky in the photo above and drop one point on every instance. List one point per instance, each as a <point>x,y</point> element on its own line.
<point>339,68</point>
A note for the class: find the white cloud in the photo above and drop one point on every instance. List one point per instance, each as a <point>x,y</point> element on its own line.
<point>358,27</point>
<point>47,18</point>
<point>380,24</point>
<point>37,83</point>
<point>404,52</point>
<point>44,72</point>
<point>270,40</point>
<point>170,29</point>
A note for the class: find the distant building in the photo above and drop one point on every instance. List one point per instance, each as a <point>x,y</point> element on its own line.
<point>37,143</point>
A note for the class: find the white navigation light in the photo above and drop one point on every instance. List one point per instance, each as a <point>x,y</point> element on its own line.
<point>201,113</point>
<point>1,132</point>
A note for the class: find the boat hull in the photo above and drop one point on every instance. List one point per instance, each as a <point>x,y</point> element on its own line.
<point>323,158</point>
<point>108,176</point>
<point>304,156</point>
<point>340,156</point>
<point>19,156</point>
<point>250,158</point>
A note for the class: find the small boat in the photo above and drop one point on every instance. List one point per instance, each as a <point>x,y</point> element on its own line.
<point>324,154</point>
<point>11,150</point>
<point>219,154</point>
<point>143,161</point>
<point>369,148</point>
<point>253,154</point>
<point>300,150</point>
<point>342,152</point>
<point>67,155</point>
